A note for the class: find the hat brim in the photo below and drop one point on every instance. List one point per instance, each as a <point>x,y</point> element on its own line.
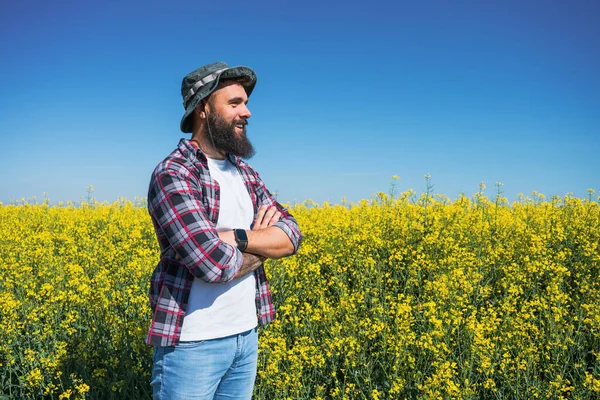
<point>244,75</point>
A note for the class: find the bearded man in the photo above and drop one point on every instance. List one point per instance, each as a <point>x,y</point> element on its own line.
<point>216,223</point>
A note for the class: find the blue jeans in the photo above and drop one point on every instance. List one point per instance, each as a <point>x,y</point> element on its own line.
<point>223,368</point>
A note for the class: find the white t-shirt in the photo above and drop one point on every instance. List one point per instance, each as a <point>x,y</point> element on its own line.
<point>216,310</point>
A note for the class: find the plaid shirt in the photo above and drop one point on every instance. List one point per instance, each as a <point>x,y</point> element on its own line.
<point>183,201</point>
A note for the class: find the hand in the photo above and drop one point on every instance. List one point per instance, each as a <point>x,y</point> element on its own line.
<point>266,217</point>
<point>250,263</point>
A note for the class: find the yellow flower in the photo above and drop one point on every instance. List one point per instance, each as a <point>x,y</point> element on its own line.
<point>394,297</point>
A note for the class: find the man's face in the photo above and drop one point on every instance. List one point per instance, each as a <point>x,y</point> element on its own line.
<point>227,117</point>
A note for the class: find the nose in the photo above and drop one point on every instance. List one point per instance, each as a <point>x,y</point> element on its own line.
<point>245,112</point>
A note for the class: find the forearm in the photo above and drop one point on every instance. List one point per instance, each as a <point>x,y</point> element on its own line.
<point>270,236</point>
<point>271,242</point>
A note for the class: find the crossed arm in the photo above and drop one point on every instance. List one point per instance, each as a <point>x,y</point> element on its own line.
<point>264,240</point>
<point>181,220</point>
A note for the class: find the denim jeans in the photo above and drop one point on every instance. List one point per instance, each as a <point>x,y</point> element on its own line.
<point>223,368</point>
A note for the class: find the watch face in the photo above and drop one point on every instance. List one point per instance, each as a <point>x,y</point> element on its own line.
<point>241,235</point>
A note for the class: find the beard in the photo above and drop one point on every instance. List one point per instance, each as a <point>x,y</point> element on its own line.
<point>225,138</point>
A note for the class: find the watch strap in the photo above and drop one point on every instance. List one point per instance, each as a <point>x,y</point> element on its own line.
<point>241,238</point>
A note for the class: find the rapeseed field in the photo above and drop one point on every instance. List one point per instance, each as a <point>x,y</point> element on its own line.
<point>402,296</point>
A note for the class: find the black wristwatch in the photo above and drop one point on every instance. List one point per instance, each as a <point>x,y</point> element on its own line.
<point>241,238</point>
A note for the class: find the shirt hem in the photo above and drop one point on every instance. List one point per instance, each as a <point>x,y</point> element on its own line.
<point>219,335</point>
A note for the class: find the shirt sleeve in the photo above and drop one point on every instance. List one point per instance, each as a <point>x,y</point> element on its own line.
<point>173,202</point>
<point>287,223</point>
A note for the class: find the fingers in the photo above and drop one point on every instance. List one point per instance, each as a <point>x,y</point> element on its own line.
<point>275,218</point>
<point>266,217</point>
<point>259,218</point>
<point>269,218</point>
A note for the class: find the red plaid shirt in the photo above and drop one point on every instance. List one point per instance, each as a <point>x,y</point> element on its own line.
<point>183,201</point>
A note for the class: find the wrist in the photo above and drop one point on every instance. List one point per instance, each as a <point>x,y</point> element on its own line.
<point>241,239</point>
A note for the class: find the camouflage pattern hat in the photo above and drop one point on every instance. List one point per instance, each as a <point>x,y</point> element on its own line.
<point>197,85</point>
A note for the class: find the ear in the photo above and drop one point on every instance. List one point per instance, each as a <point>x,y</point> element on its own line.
<point>200,111</point>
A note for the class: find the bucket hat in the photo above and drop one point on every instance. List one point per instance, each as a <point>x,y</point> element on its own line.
<point>197,85</point>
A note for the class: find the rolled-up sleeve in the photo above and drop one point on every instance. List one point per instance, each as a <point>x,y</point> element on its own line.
<point>290,227</point>
<point>174,205</point>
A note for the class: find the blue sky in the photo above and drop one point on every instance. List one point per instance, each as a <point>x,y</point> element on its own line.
<point>349,94</point>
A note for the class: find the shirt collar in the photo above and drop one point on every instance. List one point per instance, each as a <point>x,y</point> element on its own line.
<point>190,151</point>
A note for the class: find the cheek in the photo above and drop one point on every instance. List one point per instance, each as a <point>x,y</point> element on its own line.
<point>230,114</point>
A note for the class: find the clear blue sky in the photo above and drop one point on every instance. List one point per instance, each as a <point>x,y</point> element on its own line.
<point>349,93</point>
